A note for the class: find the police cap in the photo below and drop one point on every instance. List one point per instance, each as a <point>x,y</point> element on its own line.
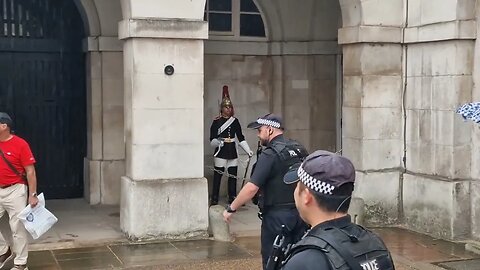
<point>322,172</point>
<point>267,120</point>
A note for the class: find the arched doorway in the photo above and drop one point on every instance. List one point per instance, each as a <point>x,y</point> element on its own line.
<point>42,85</point>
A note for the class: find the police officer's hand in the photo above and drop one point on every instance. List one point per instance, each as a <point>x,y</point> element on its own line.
<point>32,200</point>
<point>227,216</point>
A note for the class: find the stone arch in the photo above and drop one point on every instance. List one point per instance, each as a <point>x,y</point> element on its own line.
<point>89,14</point>
<point>266,26</point>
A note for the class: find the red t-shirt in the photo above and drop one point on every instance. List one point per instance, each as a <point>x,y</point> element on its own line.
<point>18,152</point>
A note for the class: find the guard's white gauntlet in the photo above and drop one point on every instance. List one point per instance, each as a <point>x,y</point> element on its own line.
<point>246,148</point>
<point>216,143</point>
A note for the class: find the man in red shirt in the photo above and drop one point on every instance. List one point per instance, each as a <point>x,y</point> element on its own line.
<point>18,184</point>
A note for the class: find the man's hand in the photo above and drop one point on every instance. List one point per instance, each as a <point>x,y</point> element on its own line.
<point>227,216</point>
<point>32,200</point>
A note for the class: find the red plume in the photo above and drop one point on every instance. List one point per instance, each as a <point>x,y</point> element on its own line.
<point>226,98</point>
<point>225,93</point>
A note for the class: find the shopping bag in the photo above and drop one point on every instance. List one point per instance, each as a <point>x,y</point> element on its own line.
<point>37,220</point>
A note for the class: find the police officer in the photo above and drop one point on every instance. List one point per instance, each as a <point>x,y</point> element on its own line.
<point>276,200</point>
<point>322,196</point>
<point>223,131</point>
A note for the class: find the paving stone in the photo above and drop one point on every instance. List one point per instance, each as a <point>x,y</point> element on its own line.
<point>149,254</point>
<point>411,251</point>
<point>462,265</point>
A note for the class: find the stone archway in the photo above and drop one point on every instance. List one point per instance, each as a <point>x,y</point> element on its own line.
<point>383,43</point>
<point>142,179</point>
<point>105,159</point>
<point>89,14</point>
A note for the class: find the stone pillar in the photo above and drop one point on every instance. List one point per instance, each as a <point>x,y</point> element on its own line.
<point>164,193</point>
<point>372,123</point>
<point>105,160</point>
<point>406,70</point>
<point>372,120</point>
<point>437,186</point>
<point>475,161</point>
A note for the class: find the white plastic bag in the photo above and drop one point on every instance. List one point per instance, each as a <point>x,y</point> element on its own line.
<point>37,220</point>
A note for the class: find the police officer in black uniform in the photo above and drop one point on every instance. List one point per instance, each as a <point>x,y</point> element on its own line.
<point>223,131</point>
<point>276,199</point>
<point>323,192</point>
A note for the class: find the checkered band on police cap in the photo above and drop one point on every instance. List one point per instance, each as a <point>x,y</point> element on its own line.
<point>267,122</point>
<point>322,172</point>
<point>270,120</point>
<point>314,184</point>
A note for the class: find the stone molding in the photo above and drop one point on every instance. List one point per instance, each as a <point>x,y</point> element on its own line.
<point>158,28</point>
<point>452,30</point>
<point>369,34</point>
<point>103,44</point>
<point>264,48</point>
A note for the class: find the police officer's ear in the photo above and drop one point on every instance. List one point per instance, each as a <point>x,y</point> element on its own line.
<point>270,130</point>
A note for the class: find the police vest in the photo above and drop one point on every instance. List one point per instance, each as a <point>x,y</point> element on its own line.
<point>276,192</point>
<point>362,247</point>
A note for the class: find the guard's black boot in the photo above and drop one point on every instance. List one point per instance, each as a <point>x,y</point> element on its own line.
<point>213,200</point>
<point>217,178</point>
<point>232,184</point>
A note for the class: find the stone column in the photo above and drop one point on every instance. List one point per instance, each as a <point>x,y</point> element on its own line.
<point>105,160</point>
<point>437,184</point>
<point>475,161</point>
<point>407,68</point>
<point>164,193</point>
<point>372,120</point>
<point>372,116</point>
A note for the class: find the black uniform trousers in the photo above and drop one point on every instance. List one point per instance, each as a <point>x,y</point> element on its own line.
<point>272,222</point>
<point>232,184</point>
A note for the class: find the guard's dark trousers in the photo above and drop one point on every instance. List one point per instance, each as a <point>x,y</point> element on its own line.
<point>232,184</point>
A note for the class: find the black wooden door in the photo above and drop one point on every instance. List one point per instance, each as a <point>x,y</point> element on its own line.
<point>42,86</point>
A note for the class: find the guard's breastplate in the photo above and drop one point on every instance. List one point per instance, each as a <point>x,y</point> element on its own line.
<point>276,192</point>
<point>369,251</point>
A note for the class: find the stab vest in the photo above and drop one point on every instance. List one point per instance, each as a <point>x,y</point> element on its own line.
<point>365,248</point>
<point>276,192</point>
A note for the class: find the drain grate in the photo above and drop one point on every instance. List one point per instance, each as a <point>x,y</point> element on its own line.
<point>461,265</point>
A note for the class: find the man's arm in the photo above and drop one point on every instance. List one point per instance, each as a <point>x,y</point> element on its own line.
<point>259,177</point>
<point>32,185</point>
<point>245,195</point>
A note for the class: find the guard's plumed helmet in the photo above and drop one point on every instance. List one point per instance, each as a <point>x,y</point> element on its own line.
<point>226,101</point>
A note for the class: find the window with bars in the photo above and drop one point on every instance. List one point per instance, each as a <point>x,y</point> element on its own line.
<point>234,18</point>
